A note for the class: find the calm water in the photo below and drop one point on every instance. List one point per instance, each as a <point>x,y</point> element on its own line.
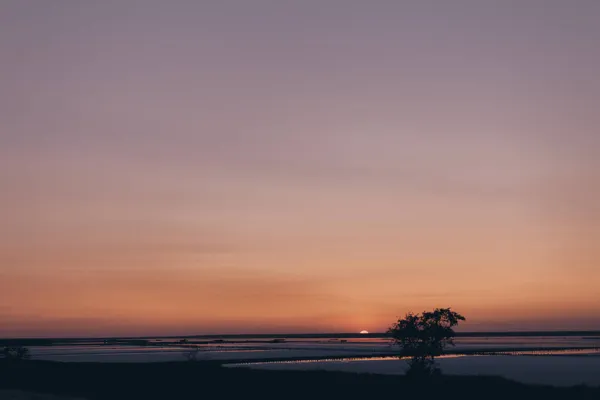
<point>565,360</point>
<point>292,348</point>
<point>554,370</point>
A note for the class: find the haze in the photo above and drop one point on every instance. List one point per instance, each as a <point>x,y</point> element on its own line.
<point>189,167</point>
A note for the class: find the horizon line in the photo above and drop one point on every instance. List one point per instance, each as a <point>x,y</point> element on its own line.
<point>313,335</point>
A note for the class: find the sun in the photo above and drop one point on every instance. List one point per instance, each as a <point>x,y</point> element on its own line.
<point>364,332</point>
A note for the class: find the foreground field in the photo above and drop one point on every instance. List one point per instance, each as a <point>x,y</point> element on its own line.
<point>190,380</point>
<point>21,395</point>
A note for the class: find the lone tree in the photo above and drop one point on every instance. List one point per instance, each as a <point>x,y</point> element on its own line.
<point>422,337</point>
<point>192,353</point>
<point>15,353</point>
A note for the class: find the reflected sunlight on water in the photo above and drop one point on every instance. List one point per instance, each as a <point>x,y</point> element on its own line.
<point>338,359</point>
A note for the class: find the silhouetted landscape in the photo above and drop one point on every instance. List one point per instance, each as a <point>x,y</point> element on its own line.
<point>190,373</point>
<point>202,379</point>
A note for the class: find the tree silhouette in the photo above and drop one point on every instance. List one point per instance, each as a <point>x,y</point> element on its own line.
<point>15,353</point>
<point>191,354</point>
<point>422,337</point>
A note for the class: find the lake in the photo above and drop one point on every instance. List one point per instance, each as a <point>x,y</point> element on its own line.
<point>557,360</point>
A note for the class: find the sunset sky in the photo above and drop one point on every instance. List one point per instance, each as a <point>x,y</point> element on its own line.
<point>189,167</point>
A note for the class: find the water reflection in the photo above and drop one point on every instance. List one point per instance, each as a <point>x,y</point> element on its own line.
<point>557,352</point>
<point>310,349</point>
<point>560,352</point>
<point>338,359</point>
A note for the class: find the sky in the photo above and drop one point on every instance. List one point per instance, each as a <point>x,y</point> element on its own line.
<point>196,167</point>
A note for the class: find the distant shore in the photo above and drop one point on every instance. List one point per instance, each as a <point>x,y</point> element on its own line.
<point>29,341</point>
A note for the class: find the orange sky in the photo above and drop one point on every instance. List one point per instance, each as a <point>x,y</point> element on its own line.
<point>183,168</point>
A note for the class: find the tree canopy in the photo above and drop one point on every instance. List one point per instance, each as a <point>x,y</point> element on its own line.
<point>15,353</point>
<point>425,336</point>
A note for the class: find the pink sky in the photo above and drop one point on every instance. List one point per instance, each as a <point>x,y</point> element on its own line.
<point>241,166</point>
